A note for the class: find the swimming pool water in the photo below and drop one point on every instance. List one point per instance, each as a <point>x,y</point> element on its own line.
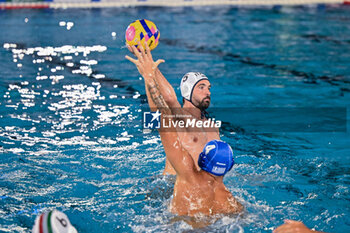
<point>71,127</point>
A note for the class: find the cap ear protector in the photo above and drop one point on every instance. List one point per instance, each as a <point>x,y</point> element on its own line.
<point>216,158</point>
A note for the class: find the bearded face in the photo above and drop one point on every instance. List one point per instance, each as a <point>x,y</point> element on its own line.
<point>204,104</point>
<point>201,95</point>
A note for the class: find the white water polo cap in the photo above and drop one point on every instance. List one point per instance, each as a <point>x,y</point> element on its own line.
<point>53,222</point>
<point>188,82</point>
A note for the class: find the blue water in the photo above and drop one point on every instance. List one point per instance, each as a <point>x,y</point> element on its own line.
<point>71,134</point>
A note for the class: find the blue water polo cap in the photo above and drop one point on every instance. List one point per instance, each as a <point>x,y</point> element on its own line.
<point>216,158</point>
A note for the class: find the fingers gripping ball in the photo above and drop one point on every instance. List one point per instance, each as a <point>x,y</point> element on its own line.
<point>142,30</point>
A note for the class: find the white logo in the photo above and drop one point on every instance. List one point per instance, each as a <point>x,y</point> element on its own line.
<point>222,164</point>
<point>151,120</point>
<point>209,148</point>
<point>218,170</point>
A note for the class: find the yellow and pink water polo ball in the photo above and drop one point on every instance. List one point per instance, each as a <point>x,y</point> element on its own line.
<point>142,30</point>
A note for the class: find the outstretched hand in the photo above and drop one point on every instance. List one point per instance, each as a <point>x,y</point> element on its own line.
<point>144,63</point>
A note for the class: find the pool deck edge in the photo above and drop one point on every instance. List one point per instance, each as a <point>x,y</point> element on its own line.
<point>59,4</point>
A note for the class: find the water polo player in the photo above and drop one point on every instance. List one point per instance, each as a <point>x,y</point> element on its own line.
<point>196,191</point>
<point>202,192</point>
<point>195,90</point>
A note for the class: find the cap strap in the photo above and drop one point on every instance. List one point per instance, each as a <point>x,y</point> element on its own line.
<point>194,86</point>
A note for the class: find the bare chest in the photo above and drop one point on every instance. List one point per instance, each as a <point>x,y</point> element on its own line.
<point>194,142</point>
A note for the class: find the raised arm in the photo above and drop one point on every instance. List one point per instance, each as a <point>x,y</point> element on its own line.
<point>166,89</point>
<point>149,99</point>
<point>179,158</point>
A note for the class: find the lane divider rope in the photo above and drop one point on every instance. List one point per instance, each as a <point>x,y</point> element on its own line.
<point>160,3</point>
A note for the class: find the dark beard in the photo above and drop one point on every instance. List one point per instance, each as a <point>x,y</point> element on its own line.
<point>203,105</point>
